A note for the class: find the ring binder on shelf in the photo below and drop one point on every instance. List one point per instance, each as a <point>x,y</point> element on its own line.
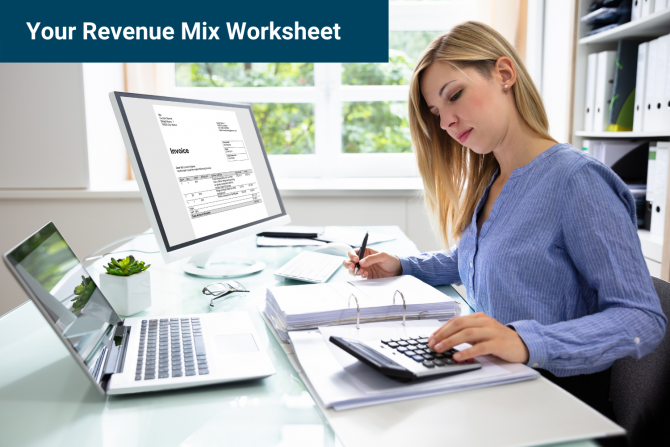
<point>358,310</point>
<point>404,306</point>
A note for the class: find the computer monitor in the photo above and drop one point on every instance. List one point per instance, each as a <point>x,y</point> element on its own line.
<point>204,176</point>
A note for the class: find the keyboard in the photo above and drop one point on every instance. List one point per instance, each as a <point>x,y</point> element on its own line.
<point>180,348</point>
<point>406,358</point>
<point>311,267</point>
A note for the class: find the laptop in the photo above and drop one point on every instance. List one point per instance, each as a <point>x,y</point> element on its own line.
<point>137,354</point>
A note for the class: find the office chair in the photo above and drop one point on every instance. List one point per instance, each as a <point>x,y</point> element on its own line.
<point>640,389</point>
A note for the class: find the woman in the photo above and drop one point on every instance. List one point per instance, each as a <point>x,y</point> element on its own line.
<point>547,236</point>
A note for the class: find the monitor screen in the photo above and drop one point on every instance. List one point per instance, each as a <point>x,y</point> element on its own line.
<point>67,295</point>
<point>203,165</point>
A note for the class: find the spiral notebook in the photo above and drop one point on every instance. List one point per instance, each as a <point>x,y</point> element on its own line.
<point>356,302</point>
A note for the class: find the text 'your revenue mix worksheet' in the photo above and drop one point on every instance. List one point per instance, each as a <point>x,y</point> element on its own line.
<point>212,166</point>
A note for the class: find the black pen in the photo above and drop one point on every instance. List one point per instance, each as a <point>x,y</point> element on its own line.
<point>361,252</point>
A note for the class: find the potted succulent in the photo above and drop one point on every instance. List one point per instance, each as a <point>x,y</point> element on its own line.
<point>126,285</point>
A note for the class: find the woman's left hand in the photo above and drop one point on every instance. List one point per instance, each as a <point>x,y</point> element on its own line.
<point>485,334</point>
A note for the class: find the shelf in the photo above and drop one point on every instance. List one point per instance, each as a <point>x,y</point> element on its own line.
<point>653,25</point>
<point>652,245</point>
<point>603,134</point>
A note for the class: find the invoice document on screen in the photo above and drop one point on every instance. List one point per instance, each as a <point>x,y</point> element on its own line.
<point>210,162</point>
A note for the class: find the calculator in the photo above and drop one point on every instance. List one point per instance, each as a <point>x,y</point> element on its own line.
<point>406,359</point>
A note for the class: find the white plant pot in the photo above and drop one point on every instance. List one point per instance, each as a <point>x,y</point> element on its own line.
<point>127,294</point>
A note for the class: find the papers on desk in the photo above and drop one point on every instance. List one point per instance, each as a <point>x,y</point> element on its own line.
<point>352,237</point>
<point>310,306</point>
<point>342,382</point>
<point>290,236</point>
<point>266,241</point>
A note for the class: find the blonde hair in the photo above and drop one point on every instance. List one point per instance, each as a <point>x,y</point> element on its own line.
<point>454,177</point>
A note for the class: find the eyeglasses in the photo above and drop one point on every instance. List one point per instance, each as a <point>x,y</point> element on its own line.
<point>221,289</point>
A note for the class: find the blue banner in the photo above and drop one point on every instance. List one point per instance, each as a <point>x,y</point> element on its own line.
<point>205,31</point>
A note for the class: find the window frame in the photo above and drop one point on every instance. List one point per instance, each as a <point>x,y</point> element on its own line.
<point>328,95</point>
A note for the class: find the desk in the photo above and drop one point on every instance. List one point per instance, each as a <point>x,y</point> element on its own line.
<point>46,400</point>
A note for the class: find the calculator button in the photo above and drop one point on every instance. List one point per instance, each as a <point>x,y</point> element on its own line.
<point>409,353</point>
<point>418,358</point>
<point>402,343</point>
<point>387,341</point>
<point>404,338</point>
<point>448,361</point>
<point>428,357</point>
<point>438,362</point>
<point>423,340</point>
<point>421,346</point>
<point>393,345</point>
<point>395,339</point>
<point>420,351</point>
<point>412,342</point>
<point>402,349</point>
<point>438,355</point>
<point>428,364</point>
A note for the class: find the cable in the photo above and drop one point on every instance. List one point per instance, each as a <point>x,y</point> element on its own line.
<point>90,257</point>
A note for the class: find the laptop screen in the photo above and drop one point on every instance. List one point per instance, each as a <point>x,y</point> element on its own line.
<point>67,294</point>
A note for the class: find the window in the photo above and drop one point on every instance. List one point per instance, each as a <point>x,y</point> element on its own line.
<point>338,120</point>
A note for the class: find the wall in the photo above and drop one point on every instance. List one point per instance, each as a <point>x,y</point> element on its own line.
<point>107,160</point>
<point>89,224</point>
<point>558,69</point>
<point>42,126</point>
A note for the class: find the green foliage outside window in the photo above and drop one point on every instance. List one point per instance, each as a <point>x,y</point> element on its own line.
<point>405,48</point>
<point>288,128</point>
<point>375,127</point>
<point>244,75</point>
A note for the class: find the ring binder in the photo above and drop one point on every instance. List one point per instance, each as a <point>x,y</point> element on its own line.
<point>358,310</point>
<point>376,301</point>
<point>404,306</point>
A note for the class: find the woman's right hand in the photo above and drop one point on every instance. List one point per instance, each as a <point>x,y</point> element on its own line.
<point>375,264</point>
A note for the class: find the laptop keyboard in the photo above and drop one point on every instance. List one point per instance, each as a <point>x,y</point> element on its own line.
<point>171,347</point>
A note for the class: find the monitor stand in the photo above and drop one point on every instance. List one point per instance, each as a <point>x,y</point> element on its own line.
<point>204,265</point>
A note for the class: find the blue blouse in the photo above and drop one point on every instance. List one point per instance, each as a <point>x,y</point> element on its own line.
<point>558,259</point>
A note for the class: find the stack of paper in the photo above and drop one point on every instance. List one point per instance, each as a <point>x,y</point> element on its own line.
<point>298,236</point>
<point>352,237</point>
<point>342,382</point>
<point>310,306</point>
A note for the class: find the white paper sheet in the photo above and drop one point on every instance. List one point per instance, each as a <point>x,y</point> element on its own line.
<point>265,241</point>
<point>352,237</point>
<point>342,382</point>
